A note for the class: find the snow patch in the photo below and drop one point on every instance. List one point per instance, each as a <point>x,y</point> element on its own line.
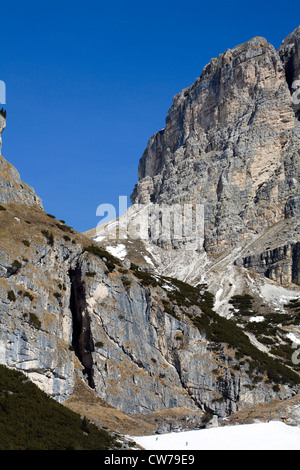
<point>293,338</point>
<point>277,294</point>
<point>118,251</point>
<point>149,260</point>
<point>257,319</point>
<point>168,287</point>
<point>99,239</point>
<point>274,435</point>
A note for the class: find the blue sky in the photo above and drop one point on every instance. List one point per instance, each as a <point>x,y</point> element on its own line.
<point>88,83</point>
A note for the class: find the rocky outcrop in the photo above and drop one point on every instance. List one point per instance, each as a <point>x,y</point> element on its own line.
<point>12,188</point>
<point>289,52</point>
<point>282,264</point>
<point>275,254</point>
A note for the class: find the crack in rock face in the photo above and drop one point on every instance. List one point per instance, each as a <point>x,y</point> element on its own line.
<point>82,340</point>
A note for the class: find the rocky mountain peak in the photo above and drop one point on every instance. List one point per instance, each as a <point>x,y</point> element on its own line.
<point>231,141</point>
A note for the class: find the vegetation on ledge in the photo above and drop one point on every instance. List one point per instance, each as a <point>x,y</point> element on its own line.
<point>220,330</point>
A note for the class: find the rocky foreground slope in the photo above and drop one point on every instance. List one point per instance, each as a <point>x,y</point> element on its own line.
<point>129,329</point>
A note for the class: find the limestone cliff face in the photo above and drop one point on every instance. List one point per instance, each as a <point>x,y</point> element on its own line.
<point>231,141</point>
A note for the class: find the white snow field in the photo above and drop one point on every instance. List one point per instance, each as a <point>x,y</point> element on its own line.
<point>274,435</point>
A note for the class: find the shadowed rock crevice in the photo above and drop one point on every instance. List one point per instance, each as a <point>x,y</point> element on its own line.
<point>82,340</point>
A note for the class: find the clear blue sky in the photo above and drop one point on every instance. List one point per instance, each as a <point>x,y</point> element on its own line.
<point>88,83</point>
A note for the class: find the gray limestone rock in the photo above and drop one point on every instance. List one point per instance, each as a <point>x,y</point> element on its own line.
<point>231,142</point>
<point>68,309</point>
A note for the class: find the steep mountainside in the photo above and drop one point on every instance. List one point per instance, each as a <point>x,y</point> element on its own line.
<point>142,343</point>
<point>163,325</point>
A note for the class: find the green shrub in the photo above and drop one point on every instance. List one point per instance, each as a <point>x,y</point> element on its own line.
<point>11,296</point>
<point>186,295</point>
<point>123,271</point>
<point>49,236</point>
<point>29,295</point>
<point>126,282</point>
<point>146,279</point>
<point>91,274</point>
<point>243,303</point>
<point>64,228</point>
<point>34,320</point>
<point>110,266</point>
<point>219,329</point>
<point>167,306</point>
<point>293,303</point>
<point>16,264</point>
